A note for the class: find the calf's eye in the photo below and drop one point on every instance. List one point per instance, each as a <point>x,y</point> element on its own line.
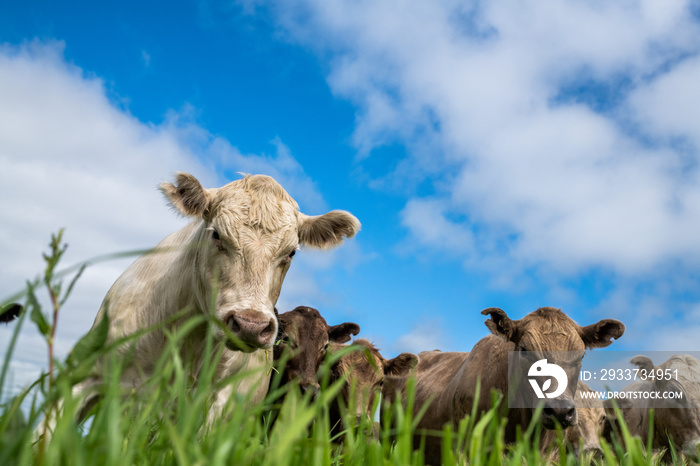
<point>291,254</point>
<point>215,235</point>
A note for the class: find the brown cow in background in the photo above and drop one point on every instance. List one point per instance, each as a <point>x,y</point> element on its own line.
<point>308,340</point>
<point>449,380</point>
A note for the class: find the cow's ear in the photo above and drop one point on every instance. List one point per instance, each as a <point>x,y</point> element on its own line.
<point>327,230</point>
<point>500,324</point>
<point>187,195</point>
<point>401,364</point>
<point>341,333</point>
<point>601,334</point>
<point>643,362</point>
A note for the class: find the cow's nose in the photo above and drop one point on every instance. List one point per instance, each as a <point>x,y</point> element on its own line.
<point>563,411</point>
<point>253,328</point>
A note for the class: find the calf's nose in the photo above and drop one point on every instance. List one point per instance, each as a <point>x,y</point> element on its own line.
<point>311,387</point>
<point>254,328</point>
<point>596,450</point>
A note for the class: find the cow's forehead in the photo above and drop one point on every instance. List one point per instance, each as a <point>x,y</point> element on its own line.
<point>255,202</point>
<point>549,329</point>
<point>369,358</point>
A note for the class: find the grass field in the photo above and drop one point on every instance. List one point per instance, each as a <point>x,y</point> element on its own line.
<point>165,422</point>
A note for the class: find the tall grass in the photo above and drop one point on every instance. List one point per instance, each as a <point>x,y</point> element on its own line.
<point>165,421</point>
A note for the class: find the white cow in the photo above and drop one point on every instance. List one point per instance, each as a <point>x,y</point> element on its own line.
<point>242,238</point>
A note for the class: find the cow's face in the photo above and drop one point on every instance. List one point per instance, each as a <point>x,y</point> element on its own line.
<point>365,369</point>
<point>251,228</point>
<point>550,334</point>
<point>305,334</point>
<point>677,418</point>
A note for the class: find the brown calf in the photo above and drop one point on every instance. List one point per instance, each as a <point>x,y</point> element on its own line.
<point>587,432</point>
<point>364,370</point>
<point>306,335</point>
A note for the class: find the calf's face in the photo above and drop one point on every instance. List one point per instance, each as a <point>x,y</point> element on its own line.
<point>306,335</point>
<point>365,369</point>
<point>585,435</point>
<point>549,334</point>
<point>591,423</point>
<point>250,230</point>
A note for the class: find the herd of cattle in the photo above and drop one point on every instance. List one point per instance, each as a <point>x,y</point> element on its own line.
<point>239,247</point>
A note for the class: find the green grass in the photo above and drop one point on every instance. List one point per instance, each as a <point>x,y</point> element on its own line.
<point>165,422</point>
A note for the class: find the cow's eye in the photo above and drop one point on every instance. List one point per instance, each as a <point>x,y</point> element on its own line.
<point>288,258</point>
<point>217,239</point>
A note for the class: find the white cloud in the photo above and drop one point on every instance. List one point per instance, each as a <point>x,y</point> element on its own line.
<point>146,58</point>
<point>666,108</point>
<point>560,140</point>
<point>506,94</point>
<point>426,218</point>
<point>70,158</point>
<point>426,335</point>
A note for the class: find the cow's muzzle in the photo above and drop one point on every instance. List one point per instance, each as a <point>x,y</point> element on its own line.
<point>253,329</point>
<point>561,411</point>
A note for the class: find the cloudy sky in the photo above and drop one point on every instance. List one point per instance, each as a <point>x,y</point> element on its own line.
<point>513,154</point>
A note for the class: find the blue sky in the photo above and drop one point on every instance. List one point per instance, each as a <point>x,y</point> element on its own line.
<point>507,154</point>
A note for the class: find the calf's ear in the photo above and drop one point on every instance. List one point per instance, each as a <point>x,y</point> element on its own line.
<point>401,364</point>
<point>500,324</point>
<point>601,334</point>
<point>187,195</point>
<point>643,362</point>
<point>341,333</point>
<point>327,230</point>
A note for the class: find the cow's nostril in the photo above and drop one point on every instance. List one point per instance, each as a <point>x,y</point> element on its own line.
<point>232,324</point>
<point>269,330</point>
<point>571,414</point>
<point>254,328</point>
<point>548,412</point>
